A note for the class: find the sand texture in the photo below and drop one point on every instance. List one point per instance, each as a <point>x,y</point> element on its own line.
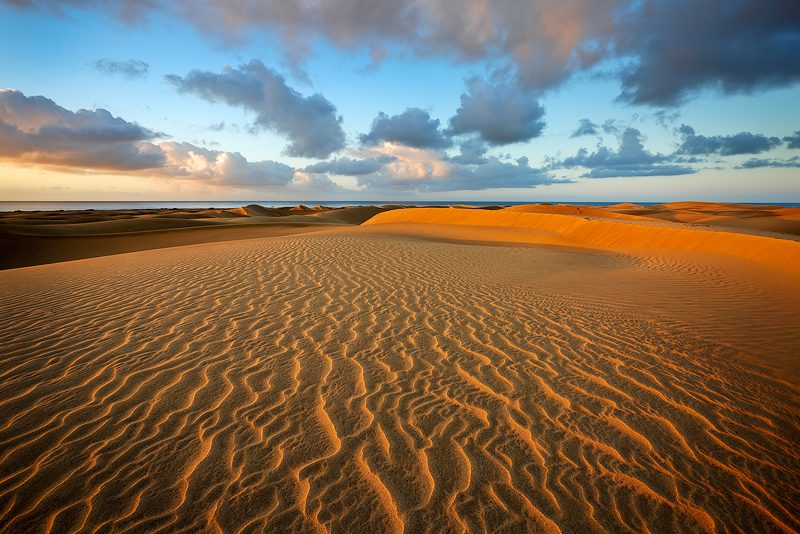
<point>430,371</point>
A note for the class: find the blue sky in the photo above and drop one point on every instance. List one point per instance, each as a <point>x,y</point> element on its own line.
<point>577,100</point>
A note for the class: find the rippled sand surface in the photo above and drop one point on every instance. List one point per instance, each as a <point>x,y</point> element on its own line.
<point>375,379</point>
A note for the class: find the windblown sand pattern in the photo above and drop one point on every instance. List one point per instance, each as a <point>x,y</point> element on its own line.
<point>360,380</point>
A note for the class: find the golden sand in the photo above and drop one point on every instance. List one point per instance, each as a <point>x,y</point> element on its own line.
<point>430,371</point>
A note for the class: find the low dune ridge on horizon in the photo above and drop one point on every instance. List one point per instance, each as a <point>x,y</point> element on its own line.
<point>34,238</point>
<point>528,368</point>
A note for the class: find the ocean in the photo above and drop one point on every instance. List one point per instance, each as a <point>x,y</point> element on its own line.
<point>227,204</point>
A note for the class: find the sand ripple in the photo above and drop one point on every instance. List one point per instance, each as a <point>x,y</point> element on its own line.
<point>367,383</point>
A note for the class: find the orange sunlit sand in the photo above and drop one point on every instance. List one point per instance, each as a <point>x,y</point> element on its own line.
<point>391,369</point>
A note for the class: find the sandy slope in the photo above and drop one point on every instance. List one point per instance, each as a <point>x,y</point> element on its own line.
<point>399,377</point>
<point>768,218</point>
<point>604,233</point>
<point>34,238</point>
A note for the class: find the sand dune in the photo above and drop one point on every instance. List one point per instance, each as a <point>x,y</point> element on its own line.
<point>767,218</point>
<point>565,209</point>
<point>595,232</point>
<point>748,216</point>
<point>34,238</point>
<point>404,377</point>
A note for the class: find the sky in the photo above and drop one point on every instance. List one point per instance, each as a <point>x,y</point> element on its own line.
<point>400,100</point>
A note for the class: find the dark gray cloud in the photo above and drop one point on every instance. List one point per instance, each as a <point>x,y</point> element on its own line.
<point>491,173</point>
<point>631,159</point>
<point>610,126</point>
<point>131,69</point>
<point>350,167</point>
<point>586,127</point>
<point>500,114</point>
<point>473,152</point>
<point>633,170</point>
<point>36,130</point>
<point>310,123</point>
<point>674,48</point>
<point>414,127</point>
<point>758,163</point>
<point>793,141</point>
<point>682,46</point>
<point>728,145</point>
<point>665,117</point>
<point>631,150</point>
<point>496,174</point>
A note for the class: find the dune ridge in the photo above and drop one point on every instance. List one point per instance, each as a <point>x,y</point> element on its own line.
<point>595,232</point>
<point>35,238</point>
<point>567,209</point>
<point>757,217</point>
<point>348,381</point>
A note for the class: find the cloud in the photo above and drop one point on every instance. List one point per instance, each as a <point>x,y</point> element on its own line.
<point>631,159</point>
<point>224,169</point>
<point>497,174</point>
<point>305,182</point>
<point>673,48</point>
<point>682,46</point>
<point>131,69</point>
<point>634,170</point>
<point>729,145</point>
<point>310,123</point>
<point>36,131</point>
<point>414,127</point>
<point>429,170</point>
<point>793,141</point>
<point>586,127</point>
<point>350,167</point>
<point>499,114</point>
<point>610,127</point>
<point>408,167</point>
<point>759,163</point>
<point>473,152</point>
<point>664,117</point>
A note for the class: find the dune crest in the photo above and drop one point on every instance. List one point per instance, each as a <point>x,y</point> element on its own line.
<point>587,232</point>
<point>566,209</point>
<point>34,238</point>
<point>757,217</point>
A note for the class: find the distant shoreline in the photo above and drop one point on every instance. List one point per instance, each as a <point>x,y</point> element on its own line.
<point>78,205</point>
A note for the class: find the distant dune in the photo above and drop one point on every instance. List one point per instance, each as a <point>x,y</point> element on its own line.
<point>598,232</point>
<point>34,238</point>
<point>377,369</point>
